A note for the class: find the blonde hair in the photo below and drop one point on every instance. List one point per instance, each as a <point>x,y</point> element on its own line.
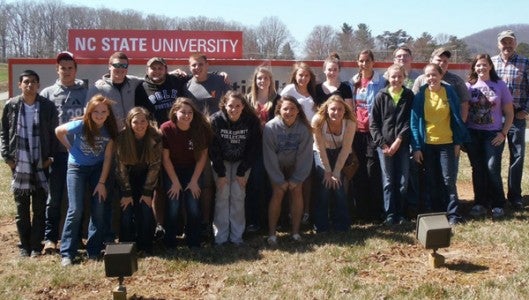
<point>272,93</point>
<point>324,116</point>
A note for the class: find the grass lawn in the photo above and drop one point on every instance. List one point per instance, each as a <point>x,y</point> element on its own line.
<point>486,260</point>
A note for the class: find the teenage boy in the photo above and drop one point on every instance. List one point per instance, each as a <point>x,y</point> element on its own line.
<point>28,147</point>
<point>68,94</point>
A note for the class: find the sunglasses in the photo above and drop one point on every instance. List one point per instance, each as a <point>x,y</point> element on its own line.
<point>120,66</point>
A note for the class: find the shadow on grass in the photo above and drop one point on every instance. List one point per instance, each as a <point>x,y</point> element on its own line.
<point>465,267</point>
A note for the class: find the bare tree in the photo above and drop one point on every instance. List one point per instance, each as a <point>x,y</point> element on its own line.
<point>251,48</point>
<point>321,42</point>
<point>156,22</point>
<point>4,7</point>
<point>271,35</point>
<point>18,22</point>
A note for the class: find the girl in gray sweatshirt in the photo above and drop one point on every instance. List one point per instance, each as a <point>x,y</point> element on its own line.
<point>287,151</point>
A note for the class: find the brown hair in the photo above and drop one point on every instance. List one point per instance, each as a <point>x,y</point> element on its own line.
<point>332,58</point>
<point>126,150</point>
<point>118,55</point>
<point>371,55</point>
<point>200,130</point>
<point>473,76</point>
<point>247,108</point>
<point>301,114</point>
<point>311,86</point>
<point>198,56</point>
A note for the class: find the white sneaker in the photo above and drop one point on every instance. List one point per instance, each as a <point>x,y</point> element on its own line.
<point>66,262</point>
<point>478,211</point>
<point>497,212</point>
<point>272,240</point>
<point>296,237</point>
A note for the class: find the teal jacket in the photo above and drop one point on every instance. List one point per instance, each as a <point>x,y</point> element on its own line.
<point>418,124</point>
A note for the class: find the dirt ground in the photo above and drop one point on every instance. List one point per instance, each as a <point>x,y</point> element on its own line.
<point>465,263</point>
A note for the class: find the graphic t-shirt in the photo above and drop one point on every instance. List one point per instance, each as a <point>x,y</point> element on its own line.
<point>485,106</point>
<point>362,107</point>
<point>81,153</point>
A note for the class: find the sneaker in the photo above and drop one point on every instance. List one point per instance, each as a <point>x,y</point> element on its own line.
<point>66,262</point>
<point>24,252</point>
<point>50,247</point>
<point>390,221</point>
<point>296,237</point>
<point>272,240</point>
<point>497,212</point>
<point>305,219</point>
<point>517,205</point>
<point>35,253</point>
<point>159,232</point>
<point>478,211</point>
<point>455,221</point>
<point>252,228</point>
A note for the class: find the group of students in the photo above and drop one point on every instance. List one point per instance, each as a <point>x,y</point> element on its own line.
<point>153,153</point>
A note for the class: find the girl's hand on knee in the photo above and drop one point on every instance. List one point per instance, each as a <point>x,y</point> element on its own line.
<point>194,188</point>
<point>174,190</point>
<point>125,202</point>
<point>221,182</point>
<point>241,181</point>
<point>101,191</point>
<point>147,200</point>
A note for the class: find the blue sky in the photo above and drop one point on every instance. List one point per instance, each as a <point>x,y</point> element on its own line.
<point>452,17</point>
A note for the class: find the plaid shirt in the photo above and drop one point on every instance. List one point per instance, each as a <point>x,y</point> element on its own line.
<point>515,73</point>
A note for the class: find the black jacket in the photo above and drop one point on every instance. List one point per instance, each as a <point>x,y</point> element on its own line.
<point>48,119</point>
<point>389,121</point>
<point>234,141</point>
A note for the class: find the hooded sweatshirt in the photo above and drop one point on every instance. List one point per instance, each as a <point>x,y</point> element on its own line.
<point>124,96</point>
<point>234,141</point>
<point>159,97</point>
<point>287,148</point>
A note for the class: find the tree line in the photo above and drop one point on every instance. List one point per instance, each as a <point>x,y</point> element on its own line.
<point>39,29</point>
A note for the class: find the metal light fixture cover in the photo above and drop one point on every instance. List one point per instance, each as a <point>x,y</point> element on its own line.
<point>433,230</point>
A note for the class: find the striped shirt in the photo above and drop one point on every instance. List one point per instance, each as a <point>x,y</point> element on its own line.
<point>515,73</point>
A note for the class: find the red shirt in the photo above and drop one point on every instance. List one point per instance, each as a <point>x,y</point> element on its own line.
<point>179,144</point>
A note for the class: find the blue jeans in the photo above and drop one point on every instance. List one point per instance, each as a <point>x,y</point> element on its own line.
<point>395,173</point>
<point>485,160</point>
<point>57,182</point>
<point>516,140</point>
<point>79,180</point>
<point>339,210</point>
<point>192,208</point>
<point>137,220</point>
<point>440,169</point>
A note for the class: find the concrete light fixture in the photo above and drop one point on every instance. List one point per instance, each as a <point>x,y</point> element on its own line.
<point>434,232</point>
<point>121,260</point>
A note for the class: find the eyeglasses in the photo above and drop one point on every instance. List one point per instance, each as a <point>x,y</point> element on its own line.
<point>120,65</point>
